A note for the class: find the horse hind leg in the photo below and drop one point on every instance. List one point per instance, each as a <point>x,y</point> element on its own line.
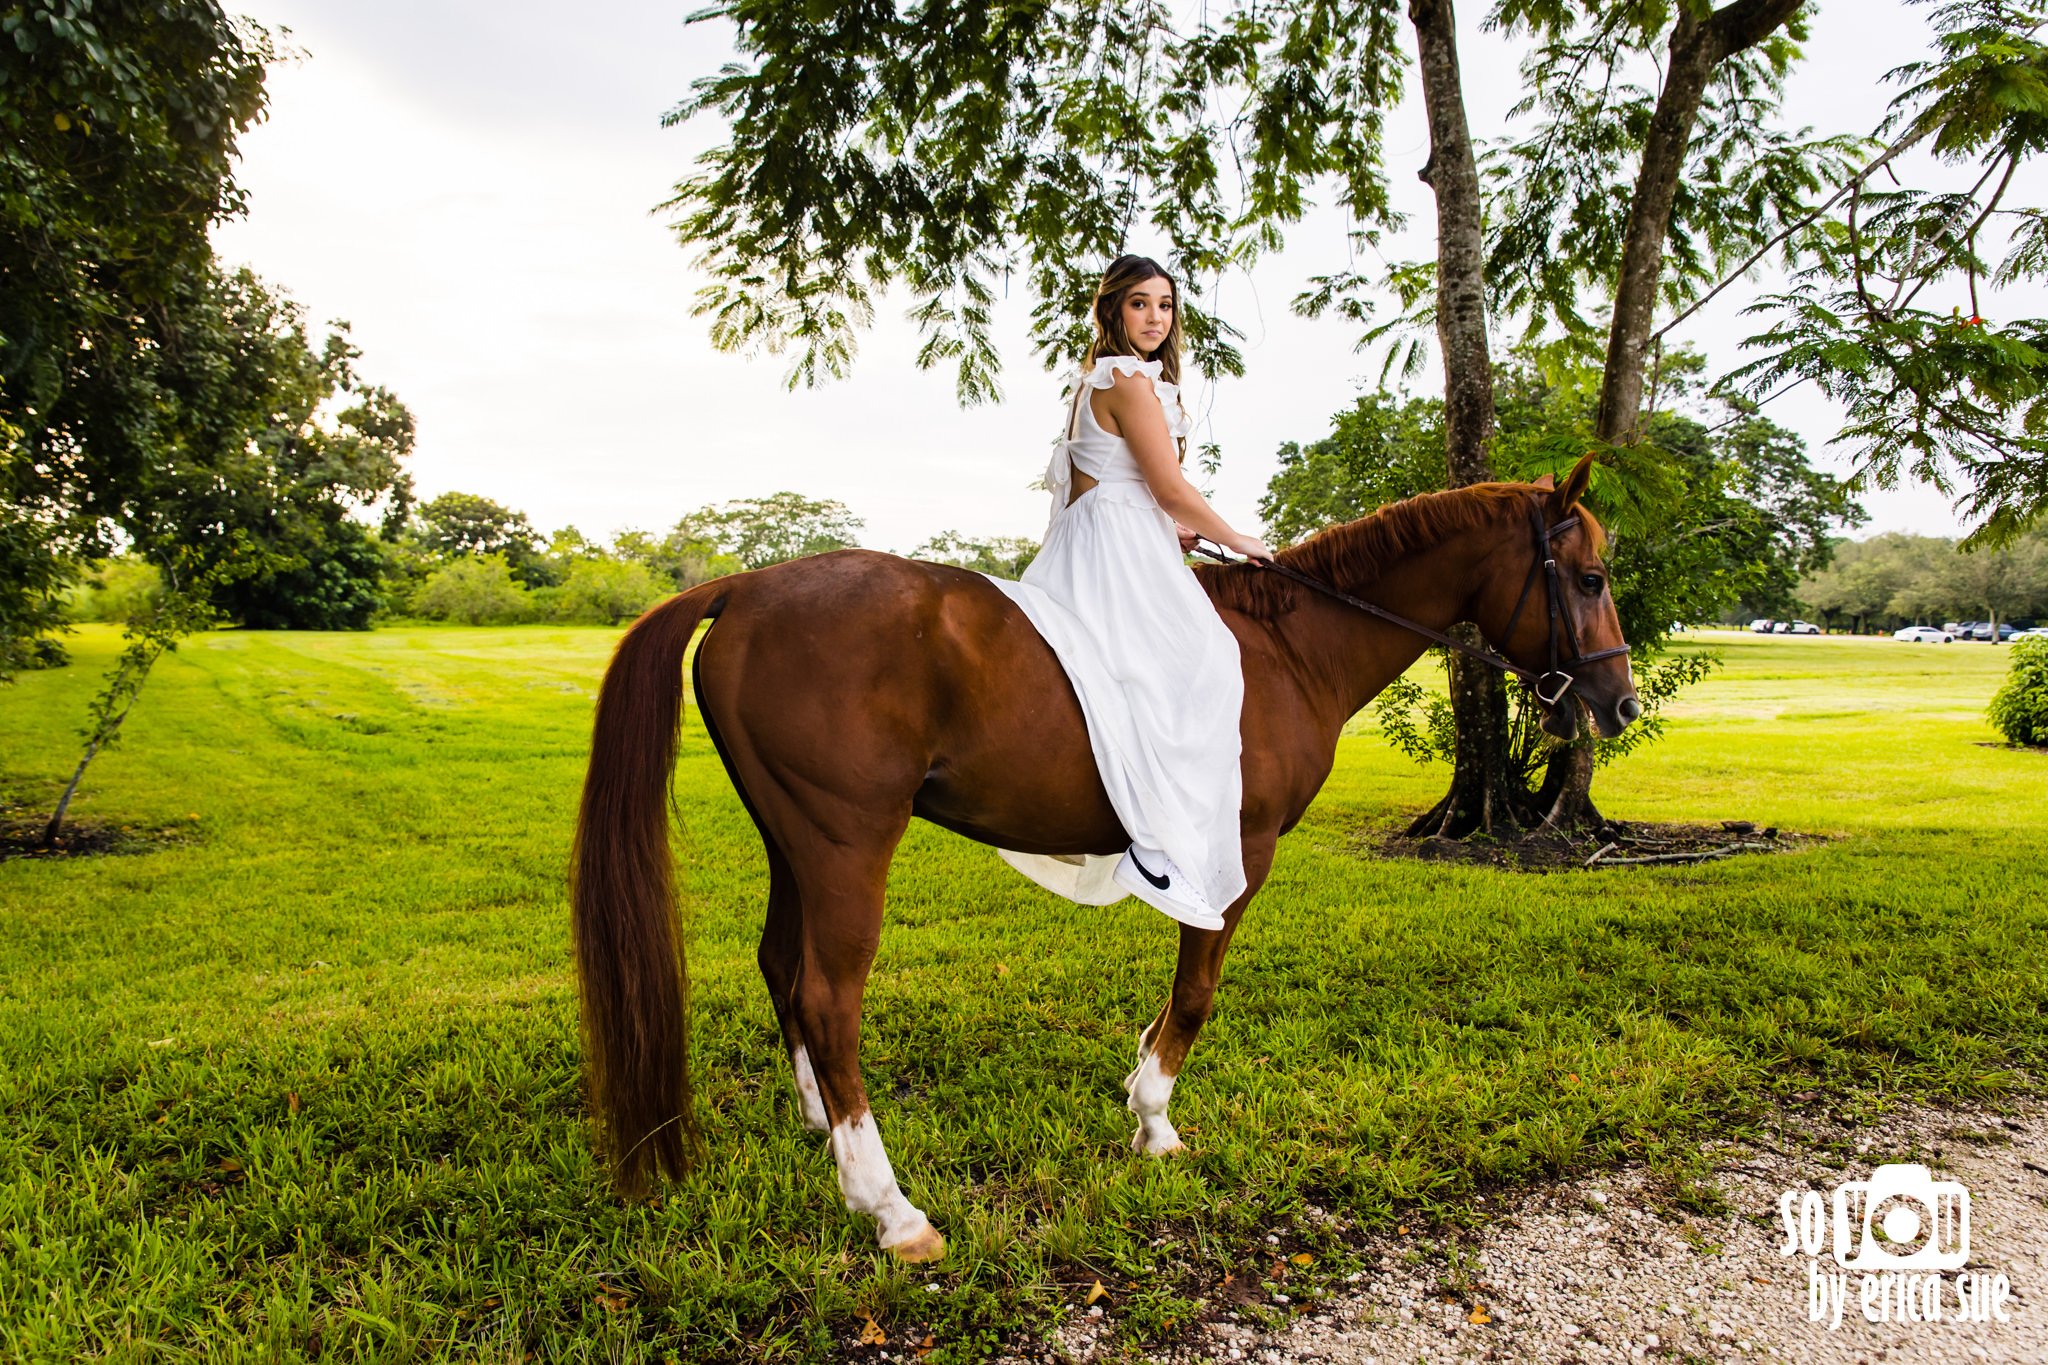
<point>781,952</point>
<point>781,959</point>
<point>828,866</point>
<point>842,927</point>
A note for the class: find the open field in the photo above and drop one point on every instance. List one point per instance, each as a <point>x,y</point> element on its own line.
<point>306,1082</point>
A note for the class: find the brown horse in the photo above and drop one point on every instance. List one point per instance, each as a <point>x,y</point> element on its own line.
<point>851,691</point>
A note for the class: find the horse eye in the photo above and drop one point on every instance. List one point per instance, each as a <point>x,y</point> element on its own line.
<point>1592,582</point>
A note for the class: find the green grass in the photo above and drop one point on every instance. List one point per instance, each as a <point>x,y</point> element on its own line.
<point>306,1084</point>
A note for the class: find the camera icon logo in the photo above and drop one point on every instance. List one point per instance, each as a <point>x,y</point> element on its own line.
<point>1902,1218</point>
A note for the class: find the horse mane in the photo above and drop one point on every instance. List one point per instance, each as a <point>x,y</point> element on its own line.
<point>1354,553</point>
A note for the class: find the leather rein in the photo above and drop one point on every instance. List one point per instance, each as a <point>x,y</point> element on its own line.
<point>1551,685</point>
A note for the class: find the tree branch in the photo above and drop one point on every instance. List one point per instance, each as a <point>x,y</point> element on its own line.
<point>1746,23</point>
<point>1891,153</point>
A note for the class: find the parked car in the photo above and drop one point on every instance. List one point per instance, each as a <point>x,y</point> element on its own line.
<point>1952,627</point>
<point>2037,633</point>
<point>1981,631</point>
<point>1961,630</point>
<point>1761,626</point>
<point>1924,635</point>
<point>1798,627</point>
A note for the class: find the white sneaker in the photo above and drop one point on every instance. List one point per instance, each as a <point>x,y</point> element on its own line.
<point>1155,880</point>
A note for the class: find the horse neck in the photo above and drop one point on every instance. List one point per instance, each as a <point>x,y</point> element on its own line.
<point>1351,656</point>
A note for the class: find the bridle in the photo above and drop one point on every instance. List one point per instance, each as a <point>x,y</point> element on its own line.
<point>1551,685</point>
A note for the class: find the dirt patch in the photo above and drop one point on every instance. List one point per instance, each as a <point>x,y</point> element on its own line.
<point>1617,843</point>
<point>1633,1265</point>
<point>21,836</point>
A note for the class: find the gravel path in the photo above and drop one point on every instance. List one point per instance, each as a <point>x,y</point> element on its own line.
<point>1610,1269</point>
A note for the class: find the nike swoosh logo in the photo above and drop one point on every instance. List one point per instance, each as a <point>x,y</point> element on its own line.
<point>1161,882</point>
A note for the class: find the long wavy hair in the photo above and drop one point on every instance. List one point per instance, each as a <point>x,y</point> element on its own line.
<point>1108,311</point>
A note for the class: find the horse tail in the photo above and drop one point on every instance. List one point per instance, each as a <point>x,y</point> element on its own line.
<point>629,957</point>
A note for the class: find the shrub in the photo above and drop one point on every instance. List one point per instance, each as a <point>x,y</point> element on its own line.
<point>328,575</point>
<point>115,590</point>
<point>477,590</point>
<point>2020,710</point>
<point>608,590</point>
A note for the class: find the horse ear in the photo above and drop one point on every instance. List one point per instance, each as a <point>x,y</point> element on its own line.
<point>1546,483</point>
<point>1563,500</point>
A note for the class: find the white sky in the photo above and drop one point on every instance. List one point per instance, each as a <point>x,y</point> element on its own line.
<point>472,186</point>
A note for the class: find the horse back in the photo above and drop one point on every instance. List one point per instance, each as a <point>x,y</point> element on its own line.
<point>881,683</point>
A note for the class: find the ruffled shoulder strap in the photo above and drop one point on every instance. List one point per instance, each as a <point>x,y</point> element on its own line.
<point>1106,370</point>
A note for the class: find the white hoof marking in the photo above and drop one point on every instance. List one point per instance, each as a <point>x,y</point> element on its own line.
<point>1150,1088</point>
<point>869,1184</point>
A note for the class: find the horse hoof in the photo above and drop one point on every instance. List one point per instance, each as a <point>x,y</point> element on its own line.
<point>1165,1148</point>
<point>925,1246</point>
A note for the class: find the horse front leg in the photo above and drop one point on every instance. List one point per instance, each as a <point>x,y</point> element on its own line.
<point>1164,1045</point>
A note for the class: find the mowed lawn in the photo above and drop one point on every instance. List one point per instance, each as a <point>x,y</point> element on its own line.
<point>306,1083</point>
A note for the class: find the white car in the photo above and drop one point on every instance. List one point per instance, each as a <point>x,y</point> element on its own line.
<point>1798,628</point>
<point>2037,633</point>
<point>1924,635</point>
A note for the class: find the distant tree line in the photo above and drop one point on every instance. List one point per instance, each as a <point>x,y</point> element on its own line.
<point>461,557</point>
<point>1897,580</point>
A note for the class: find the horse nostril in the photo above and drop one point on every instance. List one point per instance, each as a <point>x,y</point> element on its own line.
<point>1629,709</point>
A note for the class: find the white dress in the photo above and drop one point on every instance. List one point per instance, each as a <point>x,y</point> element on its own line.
<point>1156,670</point>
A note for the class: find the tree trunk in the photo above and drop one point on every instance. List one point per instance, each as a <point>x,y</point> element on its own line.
<point>1482,799</point>
<point>56,825</point>
<point>1697,47</point>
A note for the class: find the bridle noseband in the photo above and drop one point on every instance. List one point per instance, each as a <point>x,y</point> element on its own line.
<point>1551,685</point>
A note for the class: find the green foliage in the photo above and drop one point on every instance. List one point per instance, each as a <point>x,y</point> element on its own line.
<point>1560,190</point>
<point>2020,708</point>
<point>456,524</point>
<point>252,447</point>
<point>948,148</point>
<point>608,591</point>
<point>148,393</point>
<point>1002,556</point>
<point>328,575</point>
<point>475,590</point>
<point>118,121</point>
<point>1939,391</point>
<point>683,557</point>
<point>1560,194</point>
<point>1418,721</point>
<point>115,590</point>
<point>763,531</point>
<point>1380,450</point>
<point>35,571</point>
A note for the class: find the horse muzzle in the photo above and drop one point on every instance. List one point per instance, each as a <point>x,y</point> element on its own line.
<point>1611,719</point>
<point>1560,717</point>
